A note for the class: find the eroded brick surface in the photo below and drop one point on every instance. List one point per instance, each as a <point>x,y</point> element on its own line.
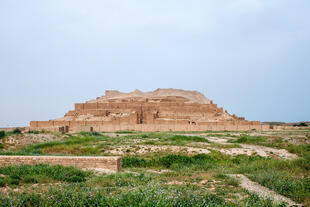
<point>107,163</point>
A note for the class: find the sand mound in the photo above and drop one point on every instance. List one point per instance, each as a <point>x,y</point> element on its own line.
<point>192,96</point>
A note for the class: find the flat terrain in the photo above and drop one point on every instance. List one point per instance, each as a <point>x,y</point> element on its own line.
<point>162,169</point>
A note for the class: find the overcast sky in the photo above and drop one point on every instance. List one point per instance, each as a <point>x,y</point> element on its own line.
<point>251,57</point>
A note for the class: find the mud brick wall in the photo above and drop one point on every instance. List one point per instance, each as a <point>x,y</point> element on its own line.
<point>107,163</point>
<point>108,127</point>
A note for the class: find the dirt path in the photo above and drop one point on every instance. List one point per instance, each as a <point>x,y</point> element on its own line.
<point>261,190</point>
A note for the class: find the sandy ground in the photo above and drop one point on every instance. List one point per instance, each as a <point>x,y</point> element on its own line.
<point>143,149</point>
<point>249,150</point>
<point>258,150</point>
<point>24,139</point>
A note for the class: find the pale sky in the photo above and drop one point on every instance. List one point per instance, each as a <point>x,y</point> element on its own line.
<point>251,57</point>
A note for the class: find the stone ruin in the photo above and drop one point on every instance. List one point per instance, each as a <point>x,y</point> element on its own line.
<point>159,110</point>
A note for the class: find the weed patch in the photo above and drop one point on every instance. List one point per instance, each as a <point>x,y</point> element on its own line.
<point>37,148</point>
<point>248,139</point>
<point>277,175</point>
<point>179,138</point>
<point>146,195</point>
<point>42,174</point>
<point>169,161</point>
<point>124,132</point>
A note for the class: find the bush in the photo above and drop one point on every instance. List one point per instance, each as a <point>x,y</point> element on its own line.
<point>2,134</point>
<point>13,181</point>
<point>1,146</point>
<point>146,136</point>
<point>17,131</point>
<point>76,179</point>
<point>302,124</point>
<point>30,179</point>
<point>34,132</point>
<point>2,182</point>
<point>134,162</point>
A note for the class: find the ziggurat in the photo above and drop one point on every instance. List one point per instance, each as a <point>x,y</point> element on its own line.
<point>160,110</point>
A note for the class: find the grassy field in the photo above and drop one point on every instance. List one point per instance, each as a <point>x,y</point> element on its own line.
<point>161,169</point>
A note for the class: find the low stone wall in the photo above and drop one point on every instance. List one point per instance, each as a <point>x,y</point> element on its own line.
<point>107,163</point>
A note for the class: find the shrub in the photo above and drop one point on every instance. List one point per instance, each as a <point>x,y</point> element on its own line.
<point>30,179</point>
<point>2,134</point>
<point>76,179</point>
<point>17,131</point>
<point>34,132</point>
<point>302,124</point>
<point>2,182</point>
<point>1,146</point>
<point>146,136</point>
<point>134,162</point>
<point>13,181</point>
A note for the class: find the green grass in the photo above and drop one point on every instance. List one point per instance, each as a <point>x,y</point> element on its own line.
<point>37,148</point>
<point>302,150</point>
<point>284,177</point>
<point>150,194</point>
<point>124,132</point>
<point>181,138</point>
<point>169,161</point>
<point>15,175</point>
<point>248,139</point>
<point>90,133</point>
